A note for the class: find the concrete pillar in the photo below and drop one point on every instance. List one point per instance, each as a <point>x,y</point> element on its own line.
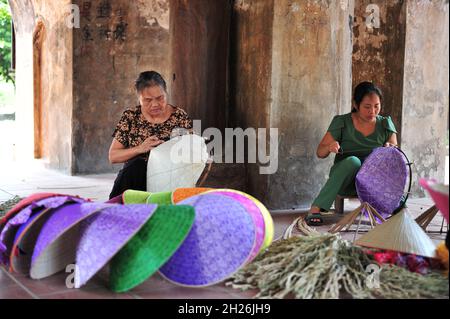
<point>310,84</point>
<point>55,75</point>
<point>295,69</point>
<point>426,89</point>
<point>23,17</point>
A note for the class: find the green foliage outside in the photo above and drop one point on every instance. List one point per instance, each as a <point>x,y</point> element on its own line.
<point>5,43</point>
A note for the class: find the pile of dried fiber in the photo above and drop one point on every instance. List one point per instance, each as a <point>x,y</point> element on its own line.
<point>6,206</point>
<point>323,266</point>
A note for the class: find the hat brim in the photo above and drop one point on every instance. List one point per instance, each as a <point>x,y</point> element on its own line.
<point>134,197</point>
<point>8,232</point>
<point>218,245</point>
<point>162,198</point>
<point>105,234</point>
<point>25,241</point>
<point>180,194</point>
<point>254,212</point>
<point>152,247</point>
<point>24,203</point>
<point>56,245</point>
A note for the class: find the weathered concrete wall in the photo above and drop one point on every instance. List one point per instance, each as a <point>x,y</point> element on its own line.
<point>426,88</point>
<point>114,44</point>
<point>199,41</point>
<point>23,17</point>
<point>310,84</point>
<point>56,83</point>
<point>250,76</point>
<point>378,50</point>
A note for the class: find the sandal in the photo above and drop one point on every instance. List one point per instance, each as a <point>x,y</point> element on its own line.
<point>315,219</point>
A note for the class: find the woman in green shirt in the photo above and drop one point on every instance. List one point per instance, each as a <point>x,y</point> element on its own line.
<point>352,137</point>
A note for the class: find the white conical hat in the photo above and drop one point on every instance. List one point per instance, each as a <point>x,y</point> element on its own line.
<point>176,163</point>
<point>400,233</point>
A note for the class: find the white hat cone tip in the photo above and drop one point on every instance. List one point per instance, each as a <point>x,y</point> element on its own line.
<point>400,233</point>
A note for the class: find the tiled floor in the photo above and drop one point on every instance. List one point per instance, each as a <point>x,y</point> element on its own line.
<point>25,179</point>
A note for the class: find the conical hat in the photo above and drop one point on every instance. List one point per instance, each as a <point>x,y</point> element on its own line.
<point>25,240</point>
<point>152,246</point>
<point>8,232</point>
<point>269,226</point>
<point>24,203</point>
<point>135,197</point>
<point>219,244</point>
<point>105,234</point>
<point>382,179</point>
<point>400,233</point>
<point>182,193</point>
<point>439,193</point>
<point>176,163</point>
<point>254,212</point>
<point>162,198</point>
<point>56,244</point>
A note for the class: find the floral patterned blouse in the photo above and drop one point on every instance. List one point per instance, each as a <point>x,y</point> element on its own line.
<point>133,129</point>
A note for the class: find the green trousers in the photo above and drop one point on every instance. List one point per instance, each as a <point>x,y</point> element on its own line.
<point>341,181</point>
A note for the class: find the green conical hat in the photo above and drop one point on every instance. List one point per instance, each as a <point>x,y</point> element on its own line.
<point>135,197</point>
<point>152,247</point>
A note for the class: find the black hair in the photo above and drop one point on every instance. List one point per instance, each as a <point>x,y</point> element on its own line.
<point>363,89</point>
<point>148,79</point>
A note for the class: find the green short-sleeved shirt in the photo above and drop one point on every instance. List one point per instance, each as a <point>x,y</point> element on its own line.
<point>354,143</point>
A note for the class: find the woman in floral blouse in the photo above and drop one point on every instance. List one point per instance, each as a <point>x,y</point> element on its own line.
<point>141,129</point>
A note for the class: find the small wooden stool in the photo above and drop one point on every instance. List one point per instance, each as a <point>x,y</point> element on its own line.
<point>339,203</point>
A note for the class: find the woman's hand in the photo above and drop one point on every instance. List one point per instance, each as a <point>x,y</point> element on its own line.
<point>390,145</point>
<point>149,144</point>
<point>392,141</point>
<point>327,145</point>
<point>334,147</point>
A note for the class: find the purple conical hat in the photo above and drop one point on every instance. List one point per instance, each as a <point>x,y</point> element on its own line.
<point>25,240</point>
<point>56,245</point>
<point>104,234</point>
<point>219,243</point>
<point>10,229</point>
<point>382,179</point>
<point>254,212</point>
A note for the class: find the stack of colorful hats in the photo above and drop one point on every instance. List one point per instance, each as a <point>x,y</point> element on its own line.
<point>193,236</point>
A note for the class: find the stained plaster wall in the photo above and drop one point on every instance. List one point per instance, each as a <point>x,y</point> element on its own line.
<point>56,83</point>
<point>113,45</point>
<point>378,50</point>
<point>426,89</point>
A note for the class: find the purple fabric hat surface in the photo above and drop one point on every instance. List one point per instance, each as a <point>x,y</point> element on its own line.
<point>382,179</point>
<point>56,245</point>
<point>219,243</point>
<point>256,215</point>
<point>104,234</point>
<point>25,240</point>
<point>10,229</point>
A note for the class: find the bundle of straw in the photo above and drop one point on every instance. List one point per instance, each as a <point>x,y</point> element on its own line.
<point>324,266</point>
<point>6,206</point>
